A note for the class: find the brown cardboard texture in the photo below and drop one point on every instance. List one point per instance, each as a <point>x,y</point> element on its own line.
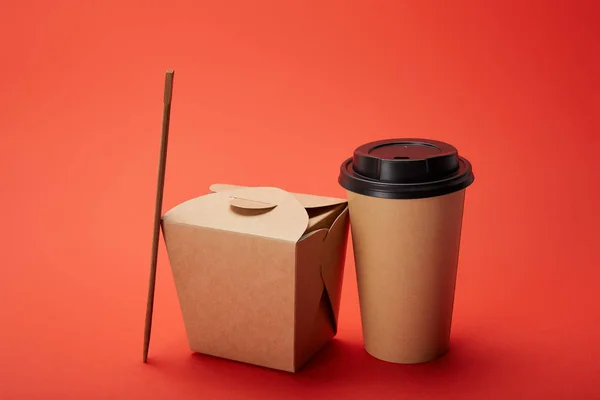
<point>258,272</point>
<point>406,254</point>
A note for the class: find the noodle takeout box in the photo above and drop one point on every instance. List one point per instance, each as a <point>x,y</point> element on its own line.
<point>258,272</point>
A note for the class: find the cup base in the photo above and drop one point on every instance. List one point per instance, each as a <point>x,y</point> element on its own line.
<point>407,360</point>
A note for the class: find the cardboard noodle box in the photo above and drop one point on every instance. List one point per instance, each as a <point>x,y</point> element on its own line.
<point>258,272</point>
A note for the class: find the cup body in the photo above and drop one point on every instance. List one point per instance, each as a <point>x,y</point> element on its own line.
<point>406,255</point>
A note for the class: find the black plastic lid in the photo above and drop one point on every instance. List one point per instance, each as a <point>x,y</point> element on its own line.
<point>405,169</point>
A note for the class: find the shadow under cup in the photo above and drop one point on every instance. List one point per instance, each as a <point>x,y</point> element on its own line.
<point>406,200</point>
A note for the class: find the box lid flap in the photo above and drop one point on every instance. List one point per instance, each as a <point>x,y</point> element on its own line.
<point>262,211</point>
<point>307,200</point>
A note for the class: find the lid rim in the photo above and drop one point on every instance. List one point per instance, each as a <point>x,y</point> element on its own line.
<point>463,178</point>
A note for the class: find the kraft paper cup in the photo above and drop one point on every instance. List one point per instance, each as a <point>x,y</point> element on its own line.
<point>406,199</point>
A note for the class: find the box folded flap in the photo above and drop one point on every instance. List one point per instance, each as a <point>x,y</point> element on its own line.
<point>323,217</point>
<point>262,211</point>
<point>307,200</point>
<point>325,255</point>
<point>333,260</point>
<point>248,204</point>
<point>313,324</point>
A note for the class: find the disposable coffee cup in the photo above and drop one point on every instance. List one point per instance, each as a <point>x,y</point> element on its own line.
<point>406,200</point>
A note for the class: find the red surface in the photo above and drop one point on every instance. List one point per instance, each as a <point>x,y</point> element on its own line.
<point>280,93</point>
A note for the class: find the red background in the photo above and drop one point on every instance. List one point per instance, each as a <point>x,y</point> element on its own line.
<point>279,93</point>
